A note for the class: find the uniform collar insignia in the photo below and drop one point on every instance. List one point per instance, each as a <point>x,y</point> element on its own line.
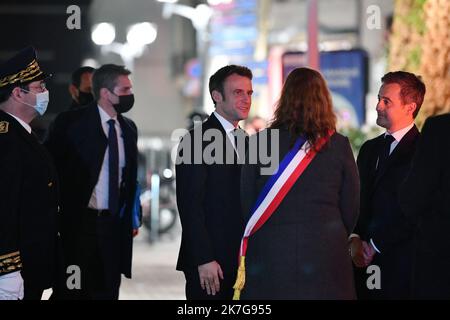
<point>4,126</point>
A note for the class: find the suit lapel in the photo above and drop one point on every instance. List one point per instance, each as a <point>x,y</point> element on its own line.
<point>215,123</point>
<point>404,150</point>
<point>92,140</point>
<point>368,170</point>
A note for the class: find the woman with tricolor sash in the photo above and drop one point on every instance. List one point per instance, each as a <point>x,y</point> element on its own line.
<point>299,217</point>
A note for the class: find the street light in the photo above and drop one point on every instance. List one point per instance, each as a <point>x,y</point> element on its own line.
<point>141,34</point>
<point>103,34</point>
<point>138,36</point>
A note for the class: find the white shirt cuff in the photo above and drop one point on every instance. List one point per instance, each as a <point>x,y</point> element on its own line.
<point>353,235</point>
<point>11,286</point>
<point>374,246</point>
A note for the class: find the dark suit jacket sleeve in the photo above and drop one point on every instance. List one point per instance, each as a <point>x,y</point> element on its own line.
<point>423,180</point>
<point>11,177</point>
<point>349,200</point>
<point>191,192</point>
<point>249,174</point>
<point>361,161</point>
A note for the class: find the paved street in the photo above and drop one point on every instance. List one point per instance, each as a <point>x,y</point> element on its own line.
<point>154,274</point>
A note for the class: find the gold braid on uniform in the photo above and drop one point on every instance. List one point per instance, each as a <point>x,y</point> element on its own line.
<point>10,262</point>
<point>31,72</point>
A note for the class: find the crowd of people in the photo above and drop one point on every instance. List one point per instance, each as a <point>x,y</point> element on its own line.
<point>303,221</point>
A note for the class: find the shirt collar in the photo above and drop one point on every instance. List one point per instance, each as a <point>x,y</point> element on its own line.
<point>227,125</point>
<point>23,123</point>
<point>399,134</point>
<point>104,117</point>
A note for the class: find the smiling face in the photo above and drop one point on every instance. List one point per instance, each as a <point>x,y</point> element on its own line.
<point>393,114</point>
<point>235,104</point>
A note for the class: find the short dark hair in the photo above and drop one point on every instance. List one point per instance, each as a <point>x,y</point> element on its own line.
<point>5,93</point>
<point>412,87</point>
<point>106,77</point>
<point>76,75</point>
<point>217,80</point>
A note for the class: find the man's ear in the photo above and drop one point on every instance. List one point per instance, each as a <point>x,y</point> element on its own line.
<point>73,92</point>
<point>217,96</point>
<point>17,93</point>
<point>411,107</point>
<point>104,93</point>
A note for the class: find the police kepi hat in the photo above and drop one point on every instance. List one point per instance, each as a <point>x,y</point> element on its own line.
<point>21,69</point>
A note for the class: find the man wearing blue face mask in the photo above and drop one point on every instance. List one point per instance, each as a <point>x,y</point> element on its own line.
<point>28,191</point>
<point>95,151</point>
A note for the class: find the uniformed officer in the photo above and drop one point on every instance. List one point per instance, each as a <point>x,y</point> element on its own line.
<point>28,191</point>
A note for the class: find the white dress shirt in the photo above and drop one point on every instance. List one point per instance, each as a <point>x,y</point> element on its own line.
<point>398,136</point>
<point>228,127</point>
<point>99,197</point>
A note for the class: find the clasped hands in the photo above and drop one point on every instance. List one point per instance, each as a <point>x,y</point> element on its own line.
<point>362,253</point>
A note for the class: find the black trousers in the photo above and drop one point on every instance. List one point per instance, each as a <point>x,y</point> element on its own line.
<point>96,250</point>
<point>195,292</point>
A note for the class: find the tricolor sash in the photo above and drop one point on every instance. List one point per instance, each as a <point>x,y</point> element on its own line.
<point>277,186</point>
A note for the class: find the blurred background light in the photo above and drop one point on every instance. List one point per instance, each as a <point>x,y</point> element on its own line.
<point>103,33</point>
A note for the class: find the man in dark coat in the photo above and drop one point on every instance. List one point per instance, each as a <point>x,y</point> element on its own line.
<point>28,188</point>
<point>95,152</point>
<point>208,189</point>
<point>383,236</point>
<point>425,199</point>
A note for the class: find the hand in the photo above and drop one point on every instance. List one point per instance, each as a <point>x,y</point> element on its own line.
<point>135,232</point>
<point>209,274</point>
<point>369,253</point>
<point>357,252</point>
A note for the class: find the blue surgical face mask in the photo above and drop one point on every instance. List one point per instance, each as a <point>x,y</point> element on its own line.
<point>42,100</point>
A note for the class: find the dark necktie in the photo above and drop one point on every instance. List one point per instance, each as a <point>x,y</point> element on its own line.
<point>113,151</point>
<point>385,150</point>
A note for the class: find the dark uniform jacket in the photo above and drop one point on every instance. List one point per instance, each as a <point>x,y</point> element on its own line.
<point>28,206</point>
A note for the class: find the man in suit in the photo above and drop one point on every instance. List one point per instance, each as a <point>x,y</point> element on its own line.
<point>383,236</point>
<point>208,189</point>
<point>80,88</point>
<point>28,189</point>
<point>97,171</point>
<point>425,199</point>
